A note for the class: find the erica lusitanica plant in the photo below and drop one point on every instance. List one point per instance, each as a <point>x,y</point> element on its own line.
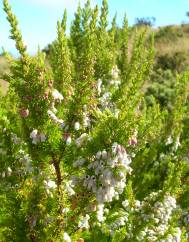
<point>82,156</point>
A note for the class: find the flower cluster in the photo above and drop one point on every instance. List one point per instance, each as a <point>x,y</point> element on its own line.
<point>53,117</point>
<point>50,185</point>
<point>81,140</point>
<point>105,99</point>
<point>106,174</point>
<point>6,173</point>
<point>113,82</point>
<point>151,217</point>
<point>133,139</point>
<point>69,185</point>
<point>101,213</point>
<point>86,120</point>
<point>105,90</point>
<point>15,139</point>
<point>120,218</point>
<point>37,137</point>
<point>175,143</point>
<point>156,217</point>
<point>84,222</point>
<point>115,77</point>
<point>175,236</point>
<point>25,160</point>
<point>120,221</point>
<point>66,237</point>
<point>56,98</point>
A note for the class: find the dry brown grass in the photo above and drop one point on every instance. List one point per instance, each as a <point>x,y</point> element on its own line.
<point>181,45</point>
<point>174,39</point>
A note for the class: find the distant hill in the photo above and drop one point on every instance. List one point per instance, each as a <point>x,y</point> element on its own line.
<point>172,47</point>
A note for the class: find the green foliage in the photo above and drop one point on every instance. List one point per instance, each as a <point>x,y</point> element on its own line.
<point>162,87</point>
<point>168,33</point>
<point>15,33</point>
<point>123,61</point>
<point>175,61</point>
<point>60,59</point>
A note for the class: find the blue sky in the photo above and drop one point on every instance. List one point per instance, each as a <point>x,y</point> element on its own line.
<point>37,18</point>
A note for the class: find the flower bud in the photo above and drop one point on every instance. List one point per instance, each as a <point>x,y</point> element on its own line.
<point>133,141</point>
<point>46,95</point>
<point>77,126</point>
<point>68,140</point>
<point>80,240</point>
<point>24,113</point>
<point>104,154</point>
<point>9,171</point>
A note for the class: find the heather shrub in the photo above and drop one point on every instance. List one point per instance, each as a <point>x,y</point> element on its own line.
<point>83,157</point>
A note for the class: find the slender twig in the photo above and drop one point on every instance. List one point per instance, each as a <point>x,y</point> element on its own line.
<point>56,164</point>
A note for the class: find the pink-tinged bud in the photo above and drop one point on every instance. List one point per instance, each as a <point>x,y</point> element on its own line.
<point>133,141</point>
<point>80,240</point>
<point>24,113</point>
<point>66,136</point>
<point>119,148</point>
<point>46,95</point>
